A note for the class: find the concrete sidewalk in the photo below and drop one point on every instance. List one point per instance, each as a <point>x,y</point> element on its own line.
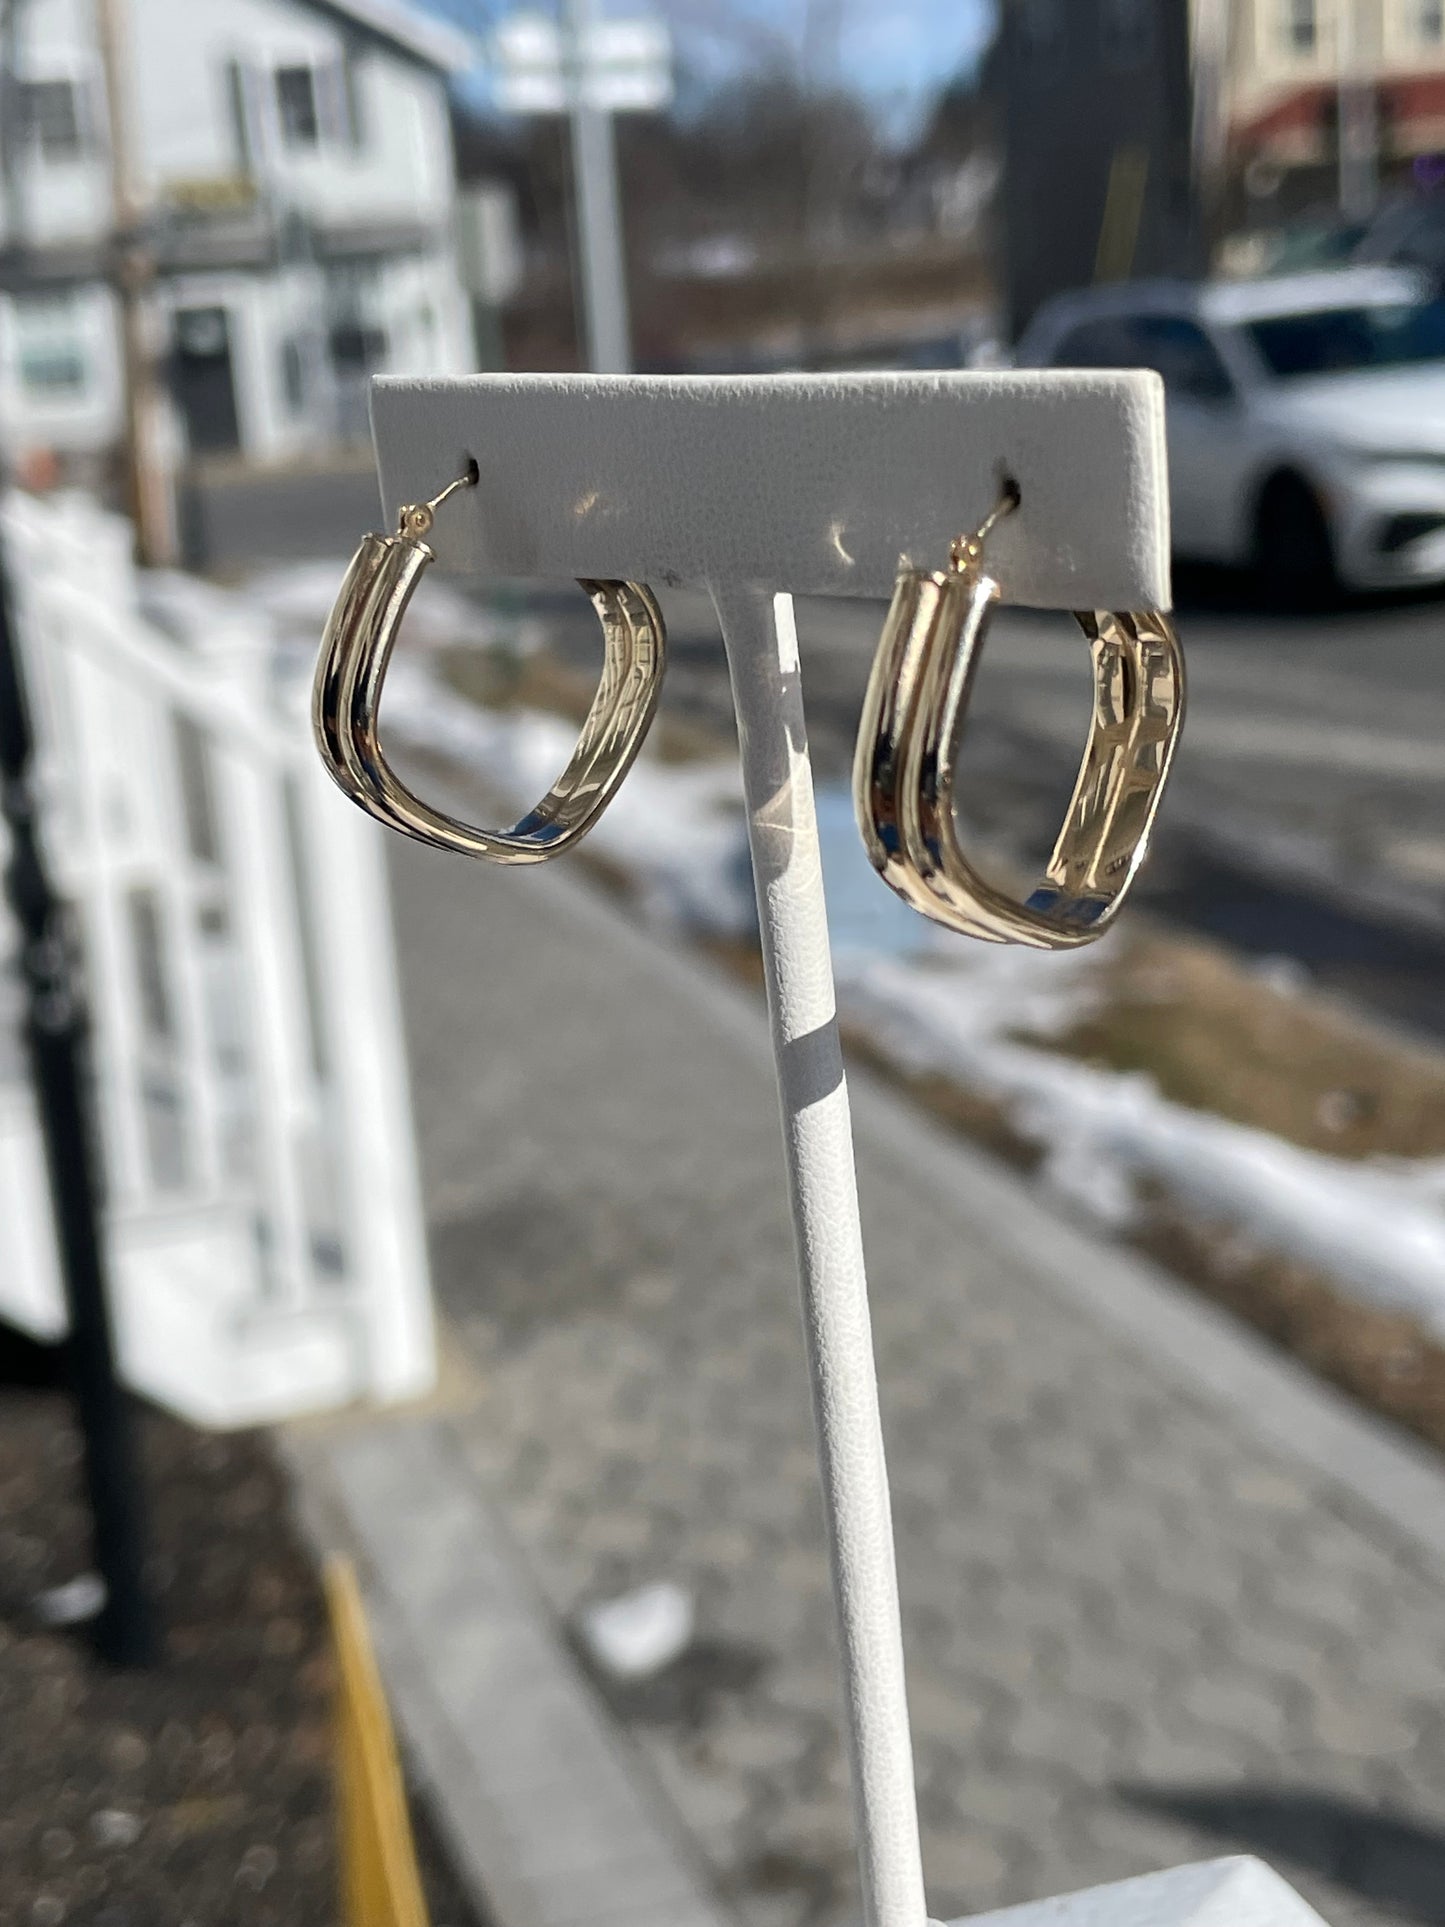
<point>1165,1596</point>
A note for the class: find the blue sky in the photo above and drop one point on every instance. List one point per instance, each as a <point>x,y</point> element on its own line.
<point>898,54</point>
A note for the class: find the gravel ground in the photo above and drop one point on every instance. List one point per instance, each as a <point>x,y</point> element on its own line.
<point>198,1793</point>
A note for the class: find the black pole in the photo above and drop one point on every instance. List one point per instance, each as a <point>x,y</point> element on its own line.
<point>56,1030</point>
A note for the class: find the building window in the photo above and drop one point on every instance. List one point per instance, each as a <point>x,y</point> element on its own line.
<point>1300,28</point>
<point>148,948</point>
<point>239,103</point>
<point>293,377</point>
<point>338,102</point>
<point>49,114</point>
<point>198,796</point>
<point>354,299</point>
<point>356,347</point>
<point>51,359</point>
<point>296,105</point>
<point>316,106</point>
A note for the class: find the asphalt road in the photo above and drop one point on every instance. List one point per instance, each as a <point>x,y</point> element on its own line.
<point>1314,777</point>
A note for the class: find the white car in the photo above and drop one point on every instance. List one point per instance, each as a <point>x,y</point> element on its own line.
<point>1306,416</point>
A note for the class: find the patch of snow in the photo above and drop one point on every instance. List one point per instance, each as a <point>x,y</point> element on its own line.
<point>1378,1227</point>
<point>1285,976</point>
<point>114,1827</point>
<point>979,1013</point>
<point>72,1603</point>
<point>676,829</point>
<point>298,598</point>
<point>640,1633</point>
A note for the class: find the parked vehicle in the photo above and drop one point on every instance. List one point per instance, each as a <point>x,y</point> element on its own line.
<point>1306,415</point>
<point>1408,231</point>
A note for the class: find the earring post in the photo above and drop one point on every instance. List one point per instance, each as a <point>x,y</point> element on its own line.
<point>967,550</point>
<point>1007,502</point>
<point>416,518</point>
<point>469,480</point>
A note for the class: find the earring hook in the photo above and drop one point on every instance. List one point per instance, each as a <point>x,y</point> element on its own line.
<point>966,551</point>
<point>415,518</point>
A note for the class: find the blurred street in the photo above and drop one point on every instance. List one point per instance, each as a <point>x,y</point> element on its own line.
<point>1305,814</point>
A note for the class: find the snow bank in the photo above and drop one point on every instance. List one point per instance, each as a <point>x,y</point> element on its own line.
<point>297,598</point>
<point>676,829</point>
<point>1377,1228</point>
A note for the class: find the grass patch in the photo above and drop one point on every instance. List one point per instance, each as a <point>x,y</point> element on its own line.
<point>1218,1036</point>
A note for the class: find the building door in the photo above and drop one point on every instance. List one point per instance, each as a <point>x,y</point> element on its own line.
<point>202,381</point>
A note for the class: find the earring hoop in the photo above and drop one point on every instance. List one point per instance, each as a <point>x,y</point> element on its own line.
<point>351,671</point>
<point>906,763</point>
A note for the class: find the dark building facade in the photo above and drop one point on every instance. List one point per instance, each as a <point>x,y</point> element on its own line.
<point>1096,105</point>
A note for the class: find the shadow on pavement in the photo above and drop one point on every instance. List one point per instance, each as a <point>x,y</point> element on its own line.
<point>1381,1856</point>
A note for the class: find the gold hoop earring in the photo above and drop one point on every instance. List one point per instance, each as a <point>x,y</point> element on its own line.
<point>906,761</point>
<point>346,700</point>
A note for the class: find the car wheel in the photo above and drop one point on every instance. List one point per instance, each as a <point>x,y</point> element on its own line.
<point>1294,551</point>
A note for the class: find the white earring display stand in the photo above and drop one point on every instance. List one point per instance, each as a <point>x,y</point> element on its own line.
<point>759,488</point>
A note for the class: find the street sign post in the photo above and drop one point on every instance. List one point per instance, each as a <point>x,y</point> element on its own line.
<point>620,66</point>
<point>589,69</point>
<point>56,1033</point>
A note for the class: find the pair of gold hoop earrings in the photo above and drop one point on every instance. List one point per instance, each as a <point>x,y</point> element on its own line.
<point>906,761</point>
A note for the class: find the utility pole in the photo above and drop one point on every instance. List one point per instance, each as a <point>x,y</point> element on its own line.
<point>819,60</point>
<point>589,69</point>
<point>1209,58</point>
<point>599,213</point>
<point>56,1032</point>
<point>147,479</point>
<point>1358,124</point>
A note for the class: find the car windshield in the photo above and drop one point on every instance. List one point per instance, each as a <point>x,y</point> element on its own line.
<point>1336,341</point>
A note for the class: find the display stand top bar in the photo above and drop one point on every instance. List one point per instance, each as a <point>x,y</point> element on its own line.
<point>816,484</point>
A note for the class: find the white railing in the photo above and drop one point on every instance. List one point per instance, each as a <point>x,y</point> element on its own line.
<point>263,1209</point>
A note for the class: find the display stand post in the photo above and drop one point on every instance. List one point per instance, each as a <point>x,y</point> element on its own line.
<point>762,646</point>
<point>756,488</point>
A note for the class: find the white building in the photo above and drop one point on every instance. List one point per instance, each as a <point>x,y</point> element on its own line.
<point>290,166</point>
